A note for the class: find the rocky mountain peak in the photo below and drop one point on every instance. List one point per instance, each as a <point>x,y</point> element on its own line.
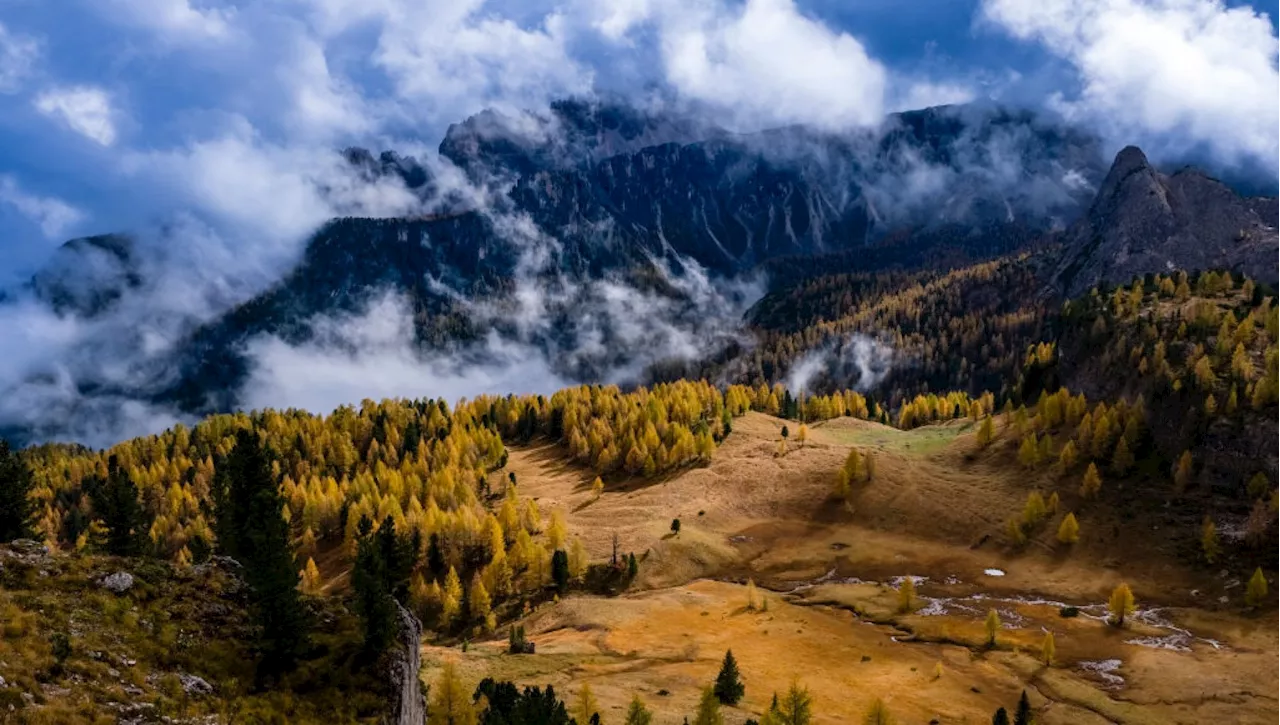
<point>1144,221</point>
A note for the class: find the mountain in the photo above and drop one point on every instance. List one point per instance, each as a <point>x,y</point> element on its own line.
<point>1143,221</point>
<point>594,191</point>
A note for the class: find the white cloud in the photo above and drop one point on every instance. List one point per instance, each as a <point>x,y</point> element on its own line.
<point>85,109</point>
<point>762,63</point>
<point>266,195</point>
<point>53,215</point>
<point>371,355</point>
<point>172,19</point>
<point>1176,72</point>
<point>925,94</point>
<point>18,56</point>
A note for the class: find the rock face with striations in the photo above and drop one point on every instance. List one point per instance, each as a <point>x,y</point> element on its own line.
<point>408,706</point>
<point>1143,221</point>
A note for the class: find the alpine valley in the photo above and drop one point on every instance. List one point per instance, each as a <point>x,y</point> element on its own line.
<point>959,417</point>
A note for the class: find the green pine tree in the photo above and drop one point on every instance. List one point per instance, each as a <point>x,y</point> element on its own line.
<point>1023,714</point>
<point>373,602</point>
<point>560,570</point>
<point>251,514</point>
<point>16,509</point>
<point>116,503</point>
<point>729,687</point>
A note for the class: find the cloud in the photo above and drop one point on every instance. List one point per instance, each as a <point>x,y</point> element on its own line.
<point>54,216</point>
<point>85,109</point>
<point>18,56</point>
<point>763,63</point>
<point>1173,73</point>
<point>172,19</point>
<point>856,361</point>
<point>371,354</point>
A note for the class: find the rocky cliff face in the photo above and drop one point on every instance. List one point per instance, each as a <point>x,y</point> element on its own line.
<point>408,707</point>
<point>1143,221</point>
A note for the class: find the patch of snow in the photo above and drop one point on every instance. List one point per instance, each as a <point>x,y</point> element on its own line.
<point>993,572</point>
<point>1105,670</point>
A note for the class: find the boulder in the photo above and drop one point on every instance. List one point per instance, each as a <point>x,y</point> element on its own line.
<point>119,582</point>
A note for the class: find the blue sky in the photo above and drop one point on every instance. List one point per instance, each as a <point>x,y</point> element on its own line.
<point>126,114</point>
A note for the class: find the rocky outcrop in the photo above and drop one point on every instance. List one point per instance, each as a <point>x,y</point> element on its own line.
<point>1143,221</point>
<point>118,583</point>
<point>408,707</point>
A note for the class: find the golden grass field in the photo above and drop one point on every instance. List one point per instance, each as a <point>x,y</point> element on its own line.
<point>832,620</point>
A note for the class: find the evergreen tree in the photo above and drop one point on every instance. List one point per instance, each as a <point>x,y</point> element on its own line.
<point>632,566</point>
<point>1023,716</point>
<point>116,503</point>
<point>708,709</point>
<point>435,558</point>
<point>17,511</point>
<point>1048,649</point>
<point>1001,717</point>
<point>729,688</point>
<point>560,570</point>
<point>250,515</point>
<point>373,602</point>
<point>675,526</point>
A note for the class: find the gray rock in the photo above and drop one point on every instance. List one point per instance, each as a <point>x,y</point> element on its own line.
<point>119,582</point>
<point>29,546</point>
<point>1143,221</point>
<point>407,706</point>
<point>195,685</point>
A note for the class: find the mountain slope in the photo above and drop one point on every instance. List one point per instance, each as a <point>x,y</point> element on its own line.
<point>1143,221</point>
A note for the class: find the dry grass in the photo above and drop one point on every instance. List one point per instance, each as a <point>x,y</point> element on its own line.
<point>927,511</point>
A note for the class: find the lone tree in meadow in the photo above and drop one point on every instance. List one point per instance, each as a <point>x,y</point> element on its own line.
<point>1048,649</point>
<point>878,714</point>
<point>17,512</point>
<point>675,526</point>
<point>729,688</point>
<point>1120,604</point>
<point>993,626</point>
<point>1255,594</point>
<point>906,595</point>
